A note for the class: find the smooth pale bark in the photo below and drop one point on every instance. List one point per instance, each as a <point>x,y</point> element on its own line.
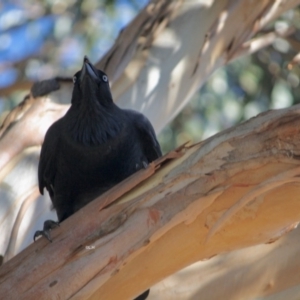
<point>200,37</point>
<point>165,223</point>
<point>269,271</point>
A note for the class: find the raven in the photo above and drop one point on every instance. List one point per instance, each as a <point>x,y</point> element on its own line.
<point>93,147</point>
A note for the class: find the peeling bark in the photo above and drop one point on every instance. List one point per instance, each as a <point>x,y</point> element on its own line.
<point>163,224</point>
<point>269,271</point>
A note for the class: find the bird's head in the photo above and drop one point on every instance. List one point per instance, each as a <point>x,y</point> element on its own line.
<point>91,86</point>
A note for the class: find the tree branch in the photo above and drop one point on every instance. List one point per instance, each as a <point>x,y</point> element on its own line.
<point>162,225</point>
<point>33,120</point>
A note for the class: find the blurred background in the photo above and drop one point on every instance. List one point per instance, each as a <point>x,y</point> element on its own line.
<point>43,39</point>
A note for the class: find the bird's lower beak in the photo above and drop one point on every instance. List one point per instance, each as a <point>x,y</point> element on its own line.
<point>87,70</point>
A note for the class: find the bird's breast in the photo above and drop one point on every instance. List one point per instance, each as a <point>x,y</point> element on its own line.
<point>111,161</point>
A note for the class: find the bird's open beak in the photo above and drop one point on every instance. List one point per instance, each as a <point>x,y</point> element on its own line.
<point>88,70</point>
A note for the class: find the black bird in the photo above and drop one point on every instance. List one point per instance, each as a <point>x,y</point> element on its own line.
<point>93,147</point>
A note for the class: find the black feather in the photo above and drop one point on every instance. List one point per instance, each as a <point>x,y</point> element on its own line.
<point>94,146</point>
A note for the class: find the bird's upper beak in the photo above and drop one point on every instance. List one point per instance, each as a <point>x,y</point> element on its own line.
<point>88,70</point>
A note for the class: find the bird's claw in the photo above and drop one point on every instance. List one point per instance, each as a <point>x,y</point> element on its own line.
<point>48,226</point>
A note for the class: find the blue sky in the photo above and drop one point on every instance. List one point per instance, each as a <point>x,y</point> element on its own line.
<point>23,36</point>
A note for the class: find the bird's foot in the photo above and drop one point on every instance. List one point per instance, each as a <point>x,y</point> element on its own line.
<point>48,226</point>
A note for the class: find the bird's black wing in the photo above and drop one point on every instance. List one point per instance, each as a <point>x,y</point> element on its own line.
<point>147,136</point>
<point>47,164</point>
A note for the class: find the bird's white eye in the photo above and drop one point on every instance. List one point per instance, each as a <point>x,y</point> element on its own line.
<point>74,79</point>
<point>104,77</point>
